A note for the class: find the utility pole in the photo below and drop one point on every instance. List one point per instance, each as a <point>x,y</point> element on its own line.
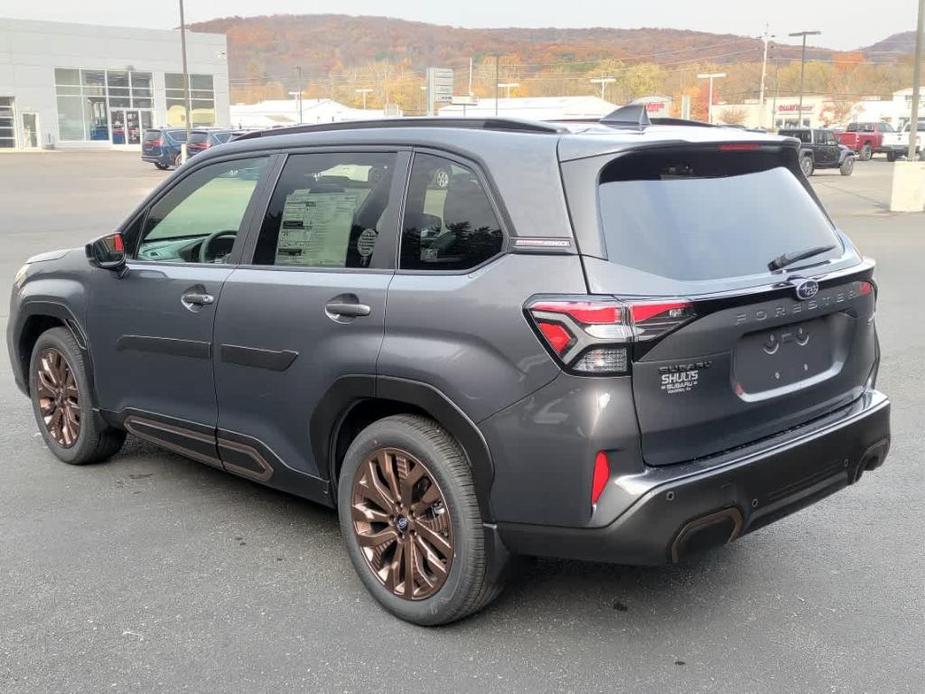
<point>764,70</point>
<point>710,76</point>
<point>776,93</point>
<point>917,82</point>
<point>470,76</point>
<point>804,34</point>
<point>497,77</point>
<point>603,81</point>
<point>298,69</point>
<point>186,94</point>
<point>364,92</point>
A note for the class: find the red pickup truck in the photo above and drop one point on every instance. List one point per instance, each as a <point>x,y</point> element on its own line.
<point>866,139</point>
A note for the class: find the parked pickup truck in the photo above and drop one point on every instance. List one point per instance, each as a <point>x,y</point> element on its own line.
<point>866,139</point>
<point>896,143</point>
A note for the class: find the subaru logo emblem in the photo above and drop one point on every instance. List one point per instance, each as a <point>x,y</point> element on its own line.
<point>807,289</point>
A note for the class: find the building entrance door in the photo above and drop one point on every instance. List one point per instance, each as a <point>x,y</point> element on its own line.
<point>127,125</point>
<point>30,130</point>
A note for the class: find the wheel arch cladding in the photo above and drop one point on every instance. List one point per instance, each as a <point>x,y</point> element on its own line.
<point>35,318</point>
<point>354,402</point>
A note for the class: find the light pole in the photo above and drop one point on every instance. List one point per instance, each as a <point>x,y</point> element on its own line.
<point>364,92</point>
<point>186,95</point>
<point>603,81</point>
<point>298,70</point>
<point>764,70</point>
<point>508,86</point>
<point>710,76</point>
<point>804,34</point>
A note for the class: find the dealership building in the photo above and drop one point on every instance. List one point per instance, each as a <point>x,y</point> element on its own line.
<point>85,86</point>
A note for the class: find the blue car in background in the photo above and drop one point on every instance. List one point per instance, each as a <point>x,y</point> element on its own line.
<point>161,146</point>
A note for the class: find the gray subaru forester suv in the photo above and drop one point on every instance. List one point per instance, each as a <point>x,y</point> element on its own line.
<point>623,341</point>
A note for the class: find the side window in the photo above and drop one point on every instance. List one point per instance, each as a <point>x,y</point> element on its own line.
<point>327,210</point>
<point>449,223</point>
<point>198,219</point>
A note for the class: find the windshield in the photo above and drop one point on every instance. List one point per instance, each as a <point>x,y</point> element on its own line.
<point>701,216</point>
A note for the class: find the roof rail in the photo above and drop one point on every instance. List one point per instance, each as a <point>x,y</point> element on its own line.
<point>631,116</point>
<point>507,124</point>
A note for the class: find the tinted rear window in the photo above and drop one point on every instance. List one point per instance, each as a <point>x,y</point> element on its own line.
<point>701,216</point>
<point>198,138</point>
<point>177,135</point>
<point>152,135</point>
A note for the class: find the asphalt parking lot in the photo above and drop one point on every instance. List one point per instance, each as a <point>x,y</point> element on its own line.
<point>155,573</point>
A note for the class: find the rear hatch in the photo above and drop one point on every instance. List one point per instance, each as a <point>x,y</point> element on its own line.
<point>198,141</point>
<point>732,338</point>
<point>152,142</point>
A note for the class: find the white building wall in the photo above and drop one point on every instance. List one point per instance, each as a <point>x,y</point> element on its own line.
<point>31,50</point>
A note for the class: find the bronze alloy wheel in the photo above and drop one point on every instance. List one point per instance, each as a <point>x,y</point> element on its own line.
<point>402,523</point>
<point>59,397</point>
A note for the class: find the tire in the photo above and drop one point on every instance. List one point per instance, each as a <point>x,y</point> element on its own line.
<point>891,157</point>
<point>466,586</point>
<point>178,161</point>
<point>866,153</point>
<point>161,166</point>
<point>847,166</point>
<point>807,166</point>
<point>92,441</point>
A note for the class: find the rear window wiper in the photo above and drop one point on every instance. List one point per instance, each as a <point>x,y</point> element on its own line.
<point>786,259</point>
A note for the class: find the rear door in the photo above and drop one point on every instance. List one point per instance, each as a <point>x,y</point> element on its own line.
<point>307,309</point>
<point>725,349</point>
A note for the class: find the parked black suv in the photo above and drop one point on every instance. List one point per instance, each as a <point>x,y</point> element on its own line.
<point>820,149</point>
<point>620,343</point>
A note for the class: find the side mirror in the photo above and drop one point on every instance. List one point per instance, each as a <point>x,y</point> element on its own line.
<point>107,252</point>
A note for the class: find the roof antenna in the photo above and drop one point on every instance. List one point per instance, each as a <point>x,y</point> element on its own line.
<point>632,116</point>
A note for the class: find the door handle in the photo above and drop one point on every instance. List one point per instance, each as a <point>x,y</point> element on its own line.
<point>345,309</point>
<point>197,299</point>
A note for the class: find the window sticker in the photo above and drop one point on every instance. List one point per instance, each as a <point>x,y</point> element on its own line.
<point>315,229</point>
<point>366,242</point>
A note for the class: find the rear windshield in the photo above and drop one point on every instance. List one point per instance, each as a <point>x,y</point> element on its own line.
<point>197,138</point>
<point>177,135</point>
<point>152,135</point>
<point>695,216</point>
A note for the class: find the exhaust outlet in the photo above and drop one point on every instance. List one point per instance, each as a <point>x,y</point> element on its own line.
<point>712,530</point>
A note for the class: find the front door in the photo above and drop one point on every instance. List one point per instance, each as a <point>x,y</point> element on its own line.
<point>30,130</point>
<point>152,327</point>
<point>128,125</point>
<point>308,310</point>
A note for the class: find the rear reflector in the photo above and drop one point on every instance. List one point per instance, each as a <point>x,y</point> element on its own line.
<point>864,288</point>
<point>600,477</point>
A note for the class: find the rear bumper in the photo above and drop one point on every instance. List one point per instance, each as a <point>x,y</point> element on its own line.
<point>676,509</point>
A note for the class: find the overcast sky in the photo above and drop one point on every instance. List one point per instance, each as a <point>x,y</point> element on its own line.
<point>845,24</point>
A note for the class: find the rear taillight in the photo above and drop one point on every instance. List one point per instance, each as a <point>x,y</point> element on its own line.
<point>593,335</point>
<point>863,288</point>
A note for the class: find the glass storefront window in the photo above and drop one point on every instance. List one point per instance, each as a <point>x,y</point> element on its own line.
<point>86,99</point>
<point>202,100</point>
<point>70,118</point>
